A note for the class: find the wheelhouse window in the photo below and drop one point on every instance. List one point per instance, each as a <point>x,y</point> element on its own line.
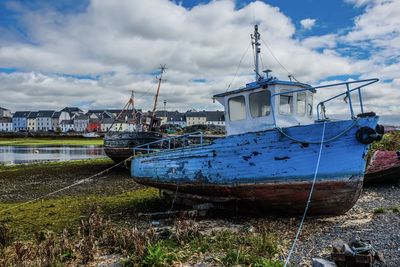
<point>286,102</point>
<point>237,108</point>
<point>309,105</point>
<point>260,105</point>
<point>301,103</point>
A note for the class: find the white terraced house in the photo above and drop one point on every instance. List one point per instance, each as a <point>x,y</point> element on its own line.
<point>68,113</point>
<point>44,122</point>
<point>67,126</point>
<point>81,123</point>
<point>6,124</point>
<point>32,121</point>
<point>195,117</point>
<point>19,120</point>
<point>55,121</point>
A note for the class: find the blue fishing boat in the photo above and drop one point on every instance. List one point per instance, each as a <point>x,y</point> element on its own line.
<point>275,151</point>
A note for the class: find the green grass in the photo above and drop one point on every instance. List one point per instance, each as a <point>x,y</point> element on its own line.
<point>65,212</point>
<point>379,211</point>
<point>40,141</point>
<point>396,209</point>
<point>49,166</point>
<point>39,227</point>
<point>225,248</point>
<point>390,141</point>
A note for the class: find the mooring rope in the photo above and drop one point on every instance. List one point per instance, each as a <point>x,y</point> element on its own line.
<point>65,188</point>
<point>309,198</point>
<point>318,142</point>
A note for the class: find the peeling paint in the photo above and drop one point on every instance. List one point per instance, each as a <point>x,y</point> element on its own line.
<point>261,168</point>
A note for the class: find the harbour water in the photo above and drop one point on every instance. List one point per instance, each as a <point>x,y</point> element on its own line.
<point>10,155</point>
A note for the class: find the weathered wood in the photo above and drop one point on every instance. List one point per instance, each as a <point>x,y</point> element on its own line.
<point>267,167</point>
<point>119,146</point>
<point>383,167</point>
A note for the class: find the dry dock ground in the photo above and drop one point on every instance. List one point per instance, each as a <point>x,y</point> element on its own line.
<point>102,226</point>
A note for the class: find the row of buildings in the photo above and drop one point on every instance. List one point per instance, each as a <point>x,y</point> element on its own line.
<point>73,119</point>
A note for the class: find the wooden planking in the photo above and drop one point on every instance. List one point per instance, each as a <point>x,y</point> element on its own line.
<point>262,156</point>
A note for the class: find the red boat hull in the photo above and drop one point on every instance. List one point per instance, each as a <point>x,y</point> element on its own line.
<point>383,167</point>
<point>329,197</point>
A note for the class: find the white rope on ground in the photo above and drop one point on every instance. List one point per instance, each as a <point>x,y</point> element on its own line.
<point>309,198</point>
<point>65,188</point>
<point>173,201</point>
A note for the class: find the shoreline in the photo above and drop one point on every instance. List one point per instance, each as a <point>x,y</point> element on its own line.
<point>50,141</point>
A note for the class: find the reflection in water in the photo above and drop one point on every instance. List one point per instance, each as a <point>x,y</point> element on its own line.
<point>30,154</point>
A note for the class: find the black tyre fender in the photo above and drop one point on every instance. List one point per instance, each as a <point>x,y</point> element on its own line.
<point>380,129</point>
<point>365,135</point>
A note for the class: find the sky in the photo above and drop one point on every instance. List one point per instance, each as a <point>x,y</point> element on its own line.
<point>92,53</point>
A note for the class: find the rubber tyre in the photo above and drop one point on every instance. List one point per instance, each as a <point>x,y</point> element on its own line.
<point>380,129</point>
<point>363,135</point>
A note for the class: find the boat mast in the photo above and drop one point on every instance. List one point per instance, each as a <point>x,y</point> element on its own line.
<point>256,44</point>
<point>153,118</point>
<point>132,101</point>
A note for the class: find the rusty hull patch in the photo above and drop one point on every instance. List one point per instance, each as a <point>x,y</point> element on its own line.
<point>329,197</point>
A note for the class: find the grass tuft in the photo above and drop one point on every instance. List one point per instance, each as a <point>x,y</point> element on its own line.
<point>379,210</point>
<point>396,209</point>
<point>146,247</point>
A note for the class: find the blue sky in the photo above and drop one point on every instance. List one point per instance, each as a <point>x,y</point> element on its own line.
<point>331,16</point>
<point>57,53</point>
<point>335,15</point>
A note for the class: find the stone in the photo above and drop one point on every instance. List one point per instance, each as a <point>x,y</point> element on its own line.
<point>317,262</point>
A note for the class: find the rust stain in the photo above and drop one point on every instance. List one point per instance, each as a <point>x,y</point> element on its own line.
<point>329,197</point>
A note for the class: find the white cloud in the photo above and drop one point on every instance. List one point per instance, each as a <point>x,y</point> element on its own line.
<point>323,41</point>
<point>122,43</point>
<point>308,23</point>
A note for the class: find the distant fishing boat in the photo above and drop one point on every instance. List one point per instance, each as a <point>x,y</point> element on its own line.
<point>383,167</point>
<point>118,145</point>
<point>274,151</point>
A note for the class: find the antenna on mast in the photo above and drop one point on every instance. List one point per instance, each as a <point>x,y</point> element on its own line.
<point>256,44</point>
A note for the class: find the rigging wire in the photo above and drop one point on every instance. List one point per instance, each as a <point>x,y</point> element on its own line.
<point>262,63</point>
<point>237,69</point>
<point>276,59</point>
<point>309,197</point>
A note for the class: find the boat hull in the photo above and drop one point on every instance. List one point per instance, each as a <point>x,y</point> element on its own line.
<point>384,167</point>
<point>119,146</point>
<point>329,197</point>
<point>268,168</point>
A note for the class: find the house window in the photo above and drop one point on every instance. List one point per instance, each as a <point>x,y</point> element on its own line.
<point>237,109</point>
<point>260,104</point>
<point>286,102</point>
<point>309,104</point>
<point>301,103</point>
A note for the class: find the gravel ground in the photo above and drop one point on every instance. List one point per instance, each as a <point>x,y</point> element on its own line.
<point>362,221</point>
<point>318,234</point>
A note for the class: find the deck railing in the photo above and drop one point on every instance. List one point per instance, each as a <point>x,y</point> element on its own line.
<point>172,142</point>
<point>321,105</point>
